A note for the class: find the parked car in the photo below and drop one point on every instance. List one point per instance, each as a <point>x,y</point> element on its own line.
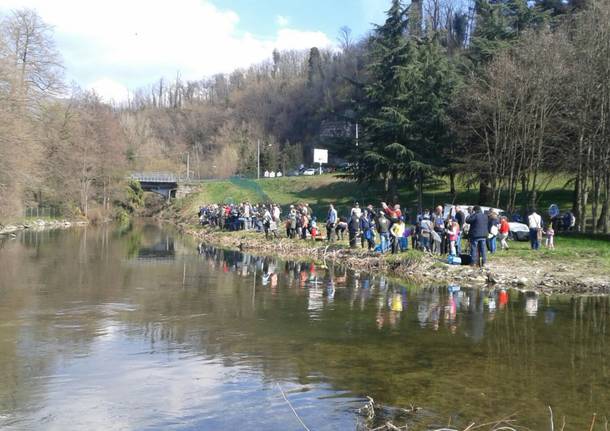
<point>309,172</point>
<point>518,231</point>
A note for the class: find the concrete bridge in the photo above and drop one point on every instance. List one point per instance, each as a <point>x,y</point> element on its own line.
<point>165,184</point>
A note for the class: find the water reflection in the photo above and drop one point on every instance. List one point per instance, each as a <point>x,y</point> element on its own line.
<point>200,341</point>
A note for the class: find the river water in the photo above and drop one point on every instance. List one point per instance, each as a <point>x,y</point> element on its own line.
<point>135,328</point>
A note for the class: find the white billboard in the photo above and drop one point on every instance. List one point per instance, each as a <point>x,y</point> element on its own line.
<point>320,156</point>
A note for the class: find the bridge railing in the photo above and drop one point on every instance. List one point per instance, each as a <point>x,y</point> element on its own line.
<point>166,177</point>
<point>155,177</point>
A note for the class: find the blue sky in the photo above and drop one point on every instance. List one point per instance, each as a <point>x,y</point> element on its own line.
<point>116,46</point>
<point>324,15</point>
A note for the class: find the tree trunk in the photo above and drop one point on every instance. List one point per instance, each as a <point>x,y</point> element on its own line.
<point>452,185</point>
<point>484,191</point>
<point>604,216</point>
<point>420,192</point>
<point>393,191</point>
<point>596,186</point>
<point>386,183</point>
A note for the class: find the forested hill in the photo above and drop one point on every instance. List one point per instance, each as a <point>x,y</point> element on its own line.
<point>494,93</point>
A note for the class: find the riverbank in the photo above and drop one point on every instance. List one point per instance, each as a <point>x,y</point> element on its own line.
<point>39,224</point>
<point>535,271</point>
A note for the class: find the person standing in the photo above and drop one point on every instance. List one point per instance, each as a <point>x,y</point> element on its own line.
<point>353,226</point>
<point>383,227</point>
<point>267,218</point>
<point>247,213</point>
<point>304,225</point>
<point>494,229</point>
<point>276,213</point>
<point>393,213</point>
<point>503,232</point>
<point>438,222</point>
<point>535,224</point>
<point>453,232</point>
<point>425,230</point>
<point>460,217</point>
<point>366,227</point>
<point>331,220</point>
<point>397,232</point>
<point>477,235</point>
<point>550,238</point>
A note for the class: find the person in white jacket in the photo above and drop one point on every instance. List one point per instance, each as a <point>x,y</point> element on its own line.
<point>535,224</point>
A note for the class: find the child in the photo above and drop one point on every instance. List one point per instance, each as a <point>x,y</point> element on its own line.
<point>397,231</point>
<point>453,232</point>
<point>503,232</point>
<point>313,228</point>
<point>550,234</point>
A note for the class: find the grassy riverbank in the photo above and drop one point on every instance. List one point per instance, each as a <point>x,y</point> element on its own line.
<point>578,264</point>
<point>319,191</point>
<point>582,268</point>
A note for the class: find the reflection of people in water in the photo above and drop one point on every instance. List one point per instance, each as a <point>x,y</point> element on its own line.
<point>531,304</point>
<point>451,312</point>
<point>549,316</point>
<point>302,278</point>
<point>491,305</point>
<point>502,299</point>
<point>274,283</point>
<point>477,320</point>
<point>395,303</point>
<point>330,289</point>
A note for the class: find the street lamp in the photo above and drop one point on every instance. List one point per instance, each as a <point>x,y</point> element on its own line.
<point>258,158</point>
<point>188,167</point>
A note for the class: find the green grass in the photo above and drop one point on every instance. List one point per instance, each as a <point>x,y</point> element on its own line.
<point>595,253</point>
<point>319,191</point>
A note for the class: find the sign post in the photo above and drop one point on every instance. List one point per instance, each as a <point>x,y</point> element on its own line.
<point>320,156</point>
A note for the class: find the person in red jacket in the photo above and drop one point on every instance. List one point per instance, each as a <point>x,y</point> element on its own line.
<point>503,231</point>
<point>393,213</point>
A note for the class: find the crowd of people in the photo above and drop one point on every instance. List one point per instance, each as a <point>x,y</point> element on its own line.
<point>441,231</point>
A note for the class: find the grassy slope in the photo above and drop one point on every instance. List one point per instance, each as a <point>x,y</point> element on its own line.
<point>319,191</point>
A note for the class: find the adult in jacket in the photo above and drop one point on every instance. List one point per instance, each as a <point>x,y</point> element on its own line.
<point>477,234</point>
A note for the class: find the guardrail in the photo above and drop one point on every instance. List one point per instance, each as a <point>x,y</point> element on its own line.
<point>155,177</point>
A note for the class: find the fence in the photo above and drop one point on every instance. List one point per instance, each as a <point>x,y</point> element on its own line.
<point>45,212</point>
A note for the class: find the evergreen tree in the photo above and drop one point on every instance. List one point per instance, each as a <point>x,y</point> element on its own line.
<point>404,118</point>
<point>498,25</point>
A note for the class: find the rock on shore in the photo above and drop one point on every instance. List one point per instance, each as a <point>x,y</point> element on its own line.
<point>40,225</point>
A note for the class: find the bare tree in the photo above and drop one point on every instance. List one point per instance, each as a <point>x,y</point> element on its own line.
<point>28,42</point>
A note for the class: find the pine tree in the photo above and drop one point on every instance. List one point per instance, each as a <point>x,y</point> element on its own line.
<point>404,118</point>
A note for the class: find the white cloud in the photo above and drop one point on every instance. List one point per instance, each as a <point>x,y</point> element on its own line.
<point>112,45</point>
<point>109,89</point>
<point>282,21</point>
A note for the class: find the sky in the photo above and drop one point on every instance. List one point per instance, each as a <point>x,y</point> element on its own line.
<point>116,46</point>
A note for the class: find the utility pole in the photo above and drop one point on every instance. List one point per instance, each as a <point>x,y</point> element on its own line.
<point>188,165</point>
<point>258,159</point>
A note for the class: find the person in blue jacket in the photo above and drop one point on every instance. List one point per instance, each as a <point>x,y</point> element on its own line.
<point>477,234</point>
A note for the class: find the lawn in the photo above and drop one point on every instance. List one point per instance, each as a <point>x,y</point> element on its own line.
<point>319,191</point>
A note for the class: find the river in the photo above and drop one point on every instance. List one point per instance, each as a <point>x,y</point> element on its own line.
<point>137,329</point>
